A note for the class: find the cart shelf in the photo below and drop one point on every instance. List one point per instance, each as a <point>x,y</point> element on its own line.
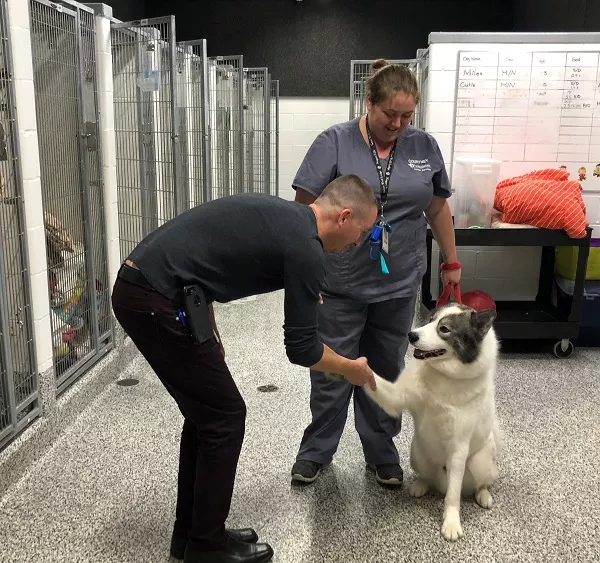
<point>539,319</point>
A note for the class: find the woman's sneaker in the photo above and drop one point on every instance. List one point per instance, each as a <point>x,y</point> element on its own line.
<point>390,474</point>
<point>306,471</point>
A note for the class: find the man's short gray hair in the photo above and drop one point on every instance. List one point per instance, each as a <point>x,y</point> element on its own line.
<point>349,191</point>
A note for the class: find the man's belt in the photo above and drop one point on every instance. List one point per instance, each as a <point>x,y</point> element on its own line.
<point>134,276</point>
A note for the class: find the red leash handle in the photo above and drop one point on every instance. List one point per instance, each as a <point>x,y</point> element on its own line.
<point>445,296</point>
<point>457,295</point>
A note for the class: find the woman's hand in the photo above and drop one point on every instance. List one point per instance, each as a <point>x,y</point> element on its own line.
<point>451,277</point>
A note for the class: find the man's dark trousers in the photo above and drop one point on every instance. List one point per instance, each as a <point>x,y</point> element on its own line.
<point>214,412</point>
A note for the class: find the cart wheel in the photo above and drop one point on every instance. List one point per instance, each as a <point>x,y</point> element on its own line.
<point>563,348</point>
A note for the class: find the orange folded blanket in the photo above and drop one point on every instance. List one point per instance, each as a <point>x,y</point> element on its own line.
<point>544,198</point>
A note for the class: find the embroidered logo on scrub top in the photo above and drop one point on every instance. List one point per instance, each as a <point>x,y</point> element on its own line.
<point>420,165</point>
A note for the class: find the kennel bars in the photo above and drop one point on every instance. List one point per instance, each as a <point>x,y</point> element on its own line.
<point>150,166</point>
<point>63,37</point>
<point>171,102</point>
<point>194,120</point>
<point>220,119</point>
<point>199,117</point>
<point>19,403</point>
<point>226,118</point>
<point>257,130</point>
<point>274,136</point>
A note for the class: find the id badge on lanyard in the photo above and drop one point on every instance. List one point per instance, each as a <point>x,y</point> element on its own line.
<point>380,236</point>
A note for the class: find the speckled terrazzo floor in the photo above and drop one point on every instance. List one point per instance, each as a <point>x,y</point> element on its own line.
<point>105,492</point>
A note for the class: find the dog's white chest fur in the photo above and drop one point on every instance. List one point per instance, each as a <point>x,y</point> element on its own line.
<point>436,428</point>
<point>439,425</point>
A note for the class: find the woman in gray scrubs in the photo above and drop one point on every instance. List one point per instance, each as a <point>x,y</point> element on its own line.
<point>370,290</point>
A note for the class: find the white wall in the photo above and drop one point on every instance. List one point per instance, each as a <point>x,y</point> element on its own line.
<point>300,121</point>
<point>109,150</point>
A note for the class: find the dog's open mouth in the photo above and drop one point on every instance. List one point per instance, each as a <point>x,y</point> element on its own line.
<point>425,354</point>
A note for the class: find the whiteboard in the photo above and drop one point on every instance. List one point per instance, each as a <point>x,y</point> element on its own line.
<point>532,110</point>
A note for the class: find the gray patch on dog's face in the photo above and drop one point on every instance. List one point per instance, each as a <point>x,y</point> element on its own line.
<point>440,310</point>
<point>465,331</point>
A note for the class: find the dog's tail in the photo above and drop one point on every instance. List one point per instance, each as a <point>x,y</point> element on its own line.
<point>387,396</point>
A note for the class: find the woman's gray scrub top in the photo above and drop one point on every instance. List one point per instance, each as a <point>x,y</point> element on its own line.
<point>418,174</point>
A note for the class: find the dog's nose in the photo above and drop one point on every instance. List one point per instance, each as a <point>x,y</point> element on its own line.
<point>413,337</point>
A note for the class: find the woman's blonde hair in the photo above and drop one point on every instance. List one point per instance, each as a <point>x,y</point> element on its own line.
<point>388,80</point>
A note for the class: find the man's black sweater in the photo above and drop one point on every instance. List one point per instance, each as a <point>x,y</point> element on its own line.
<point>244,245</point>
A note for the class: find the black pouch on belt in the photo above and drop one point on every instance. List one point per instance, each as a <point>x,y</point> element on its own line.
<point>197,316</point>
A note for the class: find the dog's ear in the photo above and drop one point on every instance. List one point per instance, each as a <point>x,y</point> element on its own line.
<point>483,320</point>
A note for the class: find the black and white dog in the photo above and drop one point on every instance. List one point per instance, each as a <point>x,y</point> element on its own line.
<point>448,387</point>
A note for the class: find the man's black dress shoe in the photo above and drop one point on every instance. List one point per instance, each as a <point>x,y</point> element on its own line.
<point>179,541</point>
<point>234,552</point>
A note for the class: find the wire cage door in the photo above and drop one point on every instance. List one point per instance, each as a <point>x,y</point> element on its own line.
<point>192,93</point>
<point>360,71</point>
<point>63,40</point>
<point>257,130</point>
<point>274,137</point>
<point>226,124</point>
<point>150,183</point>
<point>18,378</point>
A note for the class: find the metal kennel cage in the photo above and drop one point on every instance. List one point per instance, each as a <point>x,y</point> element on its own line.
<point>257,130</point>
<point>19,403</point>
<point>274,137</point>
<point>192,93</point>
<point>226,122</point>
<point>63,43</point>
<point>150,179</point>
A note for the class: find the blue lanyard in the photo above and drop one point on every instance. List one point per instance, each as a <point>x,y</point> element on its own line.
<point>375,239</point>
<point>384,181</point>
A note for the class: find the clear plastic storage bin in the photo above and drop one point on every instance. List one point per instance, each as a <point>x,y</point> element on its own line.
<point>474,184</point>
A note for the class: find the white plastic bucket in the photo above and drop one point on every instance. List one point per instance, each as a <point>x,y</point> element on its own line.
<point>474,183</point>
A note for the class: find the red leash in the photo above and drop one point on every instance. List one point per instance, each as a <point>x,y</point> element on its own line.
<point>445,296</point>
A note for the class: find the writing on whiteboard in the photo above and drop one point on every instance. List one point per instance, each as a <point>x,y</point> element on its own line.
<point>472,72</point>
<point>575,105</point>
<point>532,107</point>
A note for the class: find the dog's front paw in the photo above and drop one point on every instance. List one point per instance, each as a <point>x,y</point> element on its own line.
<point>451,528</point>
<point>418,488</point>
<point>484,498</point>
